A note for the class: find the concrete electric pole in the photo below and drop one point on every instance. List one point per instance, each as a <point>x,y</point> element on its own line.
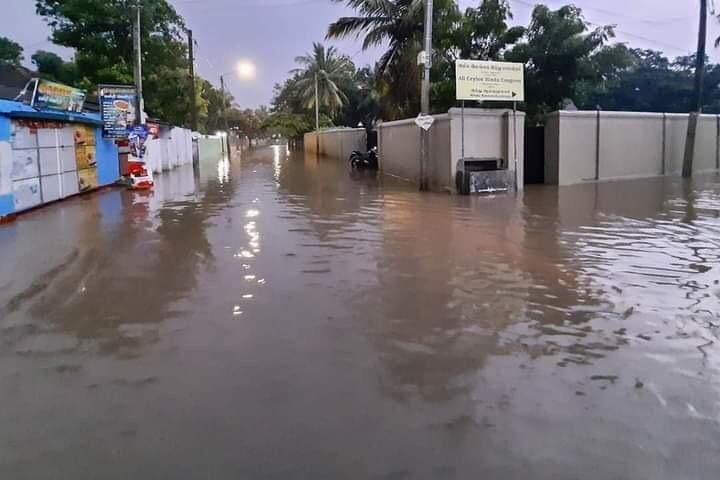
<point>138,66</point>
<point>193,100</point>
<point>697,94</point>
<point>224,113</point>
<point>317,104</point>
<point>425,95</point>
<point>317,116</point>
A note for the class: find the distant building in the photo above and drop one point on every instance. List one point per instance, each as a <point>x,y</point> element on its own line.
<point>12,80</point>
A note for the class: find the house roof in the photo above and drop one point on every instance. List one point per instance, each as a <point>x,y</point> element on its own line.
<point>13,109</point>
<point>13,79</point>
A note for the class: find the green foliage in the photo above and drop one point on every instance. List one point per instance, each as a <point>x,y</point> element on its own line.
<point>479,33</point>
<point>322,68</point>
<point>482,33</point>
<point>249,122</point>
<point>100,31</point>
<point>362,104</point>
<point>11,53</point>
<point>287,96</point>
<point>346,94</point>
<point>210,118</point>
<point>566,61</point>
<point>52,67</point>
<point>201,103</point>
<point>288,125</point>
<point>398,86</point>
<point>399,25</point>
<point>560,51</point>
<point>653,83</point>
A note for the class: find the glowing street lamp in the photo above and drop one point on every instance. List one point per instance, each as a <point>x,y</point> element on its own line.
<point>245,70</point>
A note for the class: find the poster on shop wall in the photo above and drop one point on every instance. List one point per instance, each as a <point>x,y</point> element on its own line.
<point>117,109</point>
<point>56,96</point>
<point>85,158</point>
<point>137,137</point>
<point>5,168</point>
<point>153,130</point>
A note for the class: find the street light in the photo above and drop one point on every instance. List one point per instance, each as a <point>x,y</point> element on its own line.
<point>245,70</point>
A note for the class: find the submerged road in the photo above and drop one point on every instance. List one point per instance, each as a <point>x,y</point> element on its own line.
<point>280,318</point>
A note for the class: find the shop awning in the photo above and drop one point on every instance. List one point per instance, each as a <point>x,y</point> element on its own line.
<point>14,109</point>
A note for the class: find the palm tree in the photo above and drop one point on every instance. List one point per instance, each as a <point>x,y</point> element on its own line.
<point>320,72</point>
<point>399,23</point>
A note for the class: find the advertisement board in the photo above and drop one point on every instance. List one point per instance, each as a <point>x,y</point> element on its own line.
<point>56,96</point>
<point>117,106</point>
<point>153,129</point>
<point>85,159</point>
<point>137,136</point>
<point>485,80</point>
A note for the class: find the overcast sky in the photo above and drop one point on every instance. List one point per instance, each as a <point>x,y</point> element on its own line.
<point>273,32</point>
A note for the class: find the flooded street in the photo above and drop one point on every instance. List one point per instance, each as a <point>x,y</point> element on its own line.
<point>281,318</point>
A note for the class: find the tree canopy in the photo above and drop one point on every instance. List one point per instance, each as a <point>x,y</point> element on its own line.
<point>100,32</point>
<point>347,95</point>
<point>11,53</point>
<point>567,61</point>
<point>51,66</point>
<point>324,68</point>
<point>399,25</point>
<point>560,52</point>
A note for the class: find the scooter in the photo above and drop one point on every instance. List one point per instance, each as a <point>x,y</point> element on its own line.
<point>364,161</point>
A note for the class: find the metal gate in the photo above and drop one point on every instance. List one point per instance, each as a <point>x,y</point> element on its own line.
<point>534,155</point>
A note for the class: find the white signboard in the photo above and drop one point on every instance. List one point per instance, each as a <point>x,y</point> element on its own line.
<point>422,58</point>
<point>481,80</point>
<point>424,121</point>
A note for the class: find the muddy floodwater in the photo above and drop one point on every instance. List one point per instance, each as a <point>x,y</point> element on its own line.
<point>280,318</point>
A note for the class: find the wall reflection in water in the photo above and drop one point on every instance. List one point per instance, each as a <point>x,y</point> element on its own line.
<point>319,314</point>
<point>573,273</point>
<point>569,273</point>
<point>115,264</point>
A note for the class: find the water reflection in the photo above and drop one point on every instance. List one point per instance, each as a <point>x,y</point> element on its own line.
<point>129,265</point>
<point>571,274</point>
<point>223,170</point>
<point>305,312</point>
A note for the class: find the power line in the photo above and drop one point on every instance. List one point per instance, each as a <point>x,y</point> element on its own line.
<point>249,3</point>
<point>619,14</point>
<point>646,39</point>
<point>625,33</point>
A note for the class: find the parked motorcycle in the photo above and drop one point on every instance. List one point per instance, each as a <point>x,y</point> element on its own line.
<point>364,161</point>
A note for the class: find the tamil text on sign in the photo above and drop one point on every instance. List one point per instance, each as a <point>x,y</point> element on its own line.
<point>56,96</point>
<point>117,103</point>
<point>481,80</point>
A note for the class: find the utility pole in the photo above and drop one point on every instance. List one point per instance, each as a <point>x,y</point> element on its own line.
<point>697,94</point>
<point>193,100</point>
<point>224,114</point>
<point>425,95</point>
<point>317,116</point>
<point>138,66</point>
<point>317,104</point>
